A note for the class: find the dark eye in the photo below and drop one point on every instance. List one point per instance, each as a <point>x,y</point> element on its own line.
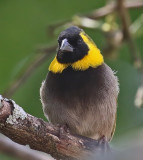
<point>80,40</point>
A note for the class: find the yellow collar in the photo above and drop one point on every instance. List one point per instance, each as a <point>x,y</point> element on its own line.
<point>93,59</point>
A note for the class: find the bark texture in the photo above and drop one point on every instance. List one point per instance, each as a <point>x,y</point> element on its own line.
<point>26,129</point>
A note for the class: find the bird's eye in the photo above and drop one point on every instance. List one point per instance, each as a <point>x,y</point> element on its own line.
<point>79,40</point>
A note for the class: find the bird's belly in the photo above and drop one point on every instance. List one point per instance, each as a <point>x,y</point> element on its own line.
<point>85,101</point>
<point>87,119</point>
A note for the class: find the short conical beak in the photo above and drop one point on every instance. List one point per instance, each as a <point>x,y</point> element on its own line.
<point>65,46</point>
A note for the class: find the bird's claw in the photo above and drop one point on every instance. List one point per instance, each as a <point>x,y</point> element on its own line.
<point>63,129</point>
<point>104,145</point>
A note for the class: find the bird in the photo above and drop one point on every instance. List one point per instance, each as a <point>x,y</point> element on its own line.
<point>80,89</point>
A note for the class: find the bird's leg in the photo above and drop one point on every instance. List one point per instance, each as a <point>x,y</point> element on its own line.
<point>63,129</point>
<point>104,145</point>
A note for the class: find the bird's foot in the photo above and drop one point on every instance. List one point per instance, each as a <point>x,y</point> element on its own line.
<point>63,129</point>
<point>104,145</point>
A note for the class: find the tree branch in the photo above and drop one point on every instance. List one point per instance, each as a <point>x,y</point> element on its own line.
<point>112,7</point>
<point>21,152</point>
<point>96,14</point>
<point>125,20</point>
<point>24,129</point>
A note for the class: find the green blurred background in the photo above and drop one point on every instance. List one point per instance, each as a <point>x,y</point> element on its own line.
<point>23,29</point>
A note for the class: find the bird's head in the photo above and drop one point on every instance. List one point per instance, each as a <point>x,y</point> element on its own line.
<point>77,50</point>
<point>71,46</point>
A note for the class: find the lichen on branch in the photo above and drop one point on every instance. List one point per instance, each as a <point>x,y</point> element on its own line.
<point>24,128</point>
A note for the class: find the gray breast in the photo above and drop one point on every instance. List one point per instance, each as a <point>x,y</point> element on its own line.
<point>84,100</point>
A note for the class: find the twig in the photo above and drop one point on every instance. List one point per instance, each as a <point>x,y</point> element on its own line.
<point>21,152</point>
<point>98,13</point>
<point>24,129</point>
<point>125,20</point>
<point>108,9</point>
<point>41,58</point>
